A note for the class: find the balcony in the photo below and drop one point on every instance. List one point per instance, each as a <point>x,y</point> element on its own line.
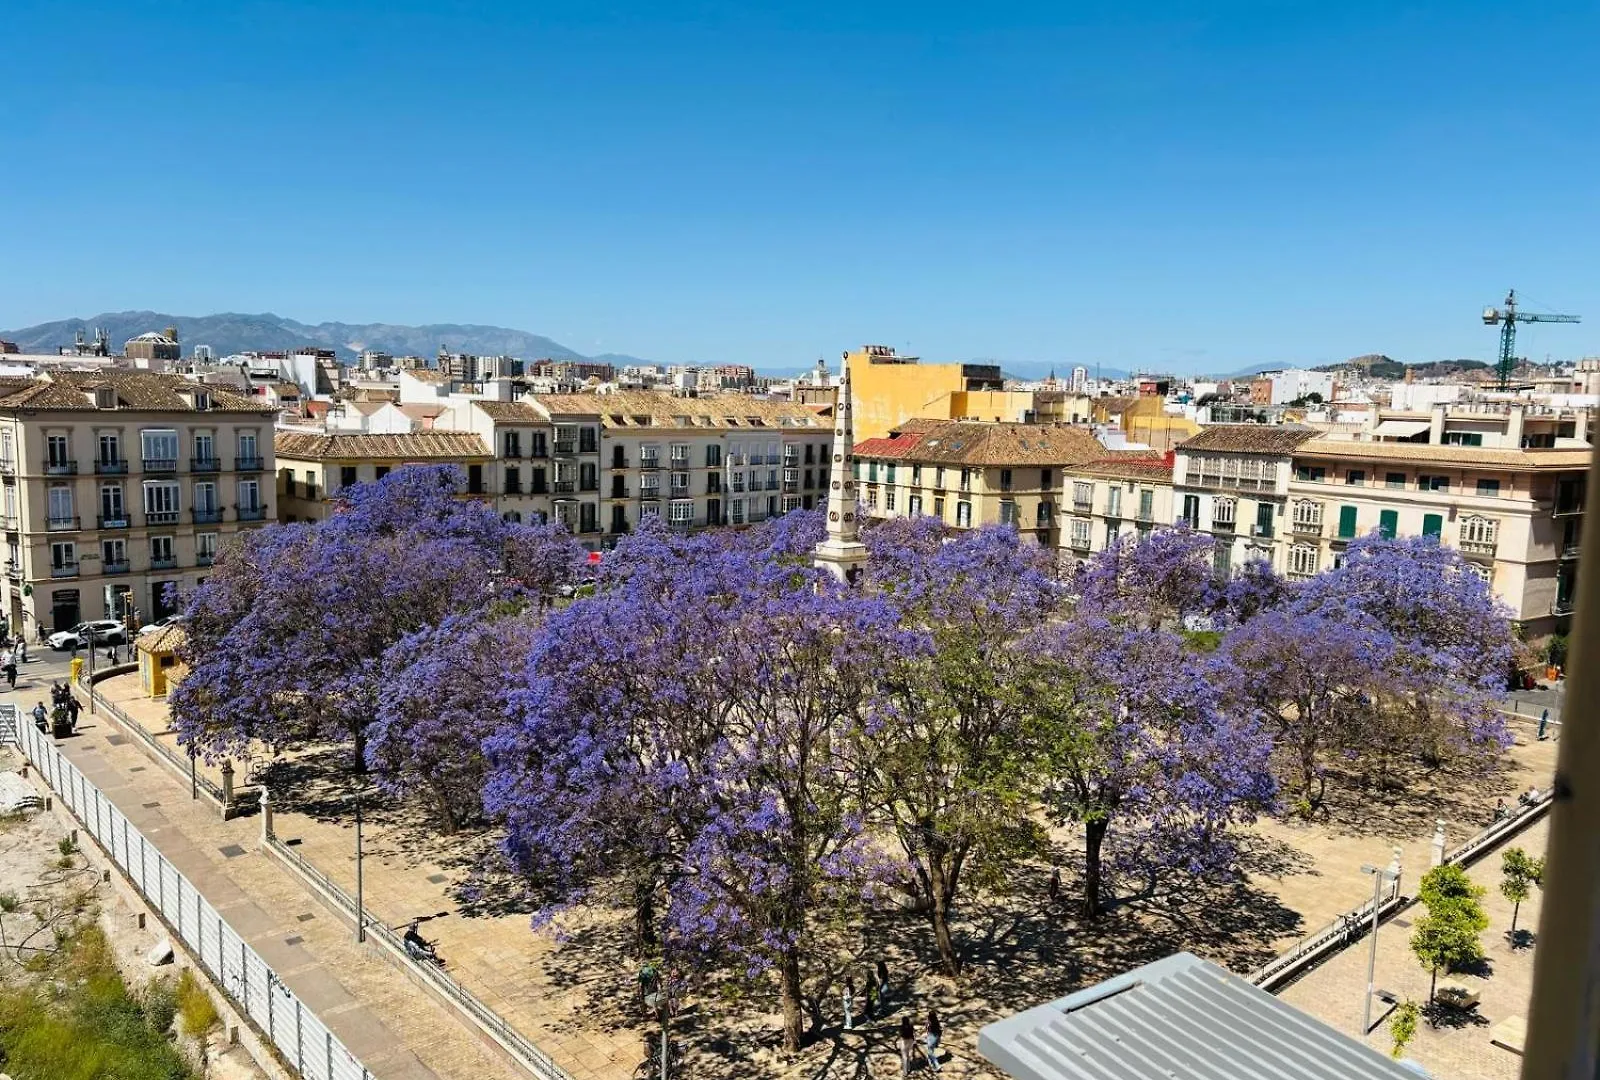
<point>650,494</point>
<point>1570,551</point>
<point>1079,543</point>
<point>680,492</point>
<point>111,467</point>
<point>245,463</point>
<point>1562,605</point>
<point>680,463</point>
<point>512,489</point>
<point>538,489</point>
<point>8,522</point>
<point>205,464</point>
<point>8,467</point>
<point>160,464</point>
<point>565,487</point>
<point>113,521</point>
<point>169,562</point>
<point>619,491</point>
<point>791,487</point>
<point>1082,506</point>
<point>60,524</point>
<point>13,571</point>
<point>64,570</point>
<point>589,485</point>
<point>619,462</point>
<point>538,450</point>
<point>1262,531</point>
<point>60,467</point>
<point>207,515</point>
<point>115,566</point>
<point>161,517</point>
<point>1306,528</point>
<point>649,464</point>
<point>205,558</point>
<point>252,513</point>
<point>566,446</point>
<point>1222,526</point>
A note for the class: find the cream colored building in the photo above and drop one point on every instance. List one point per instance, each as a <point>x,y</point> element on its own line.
<point>1516,514</point>
<point>118,484</point>
<point>1103,501</point>
<point>1232,480</point>
<point>314,470</point>
<point>969,473</point>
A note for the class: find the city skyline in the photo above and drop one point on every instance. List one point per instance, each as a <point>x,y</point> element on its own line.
<point>1132,188</point>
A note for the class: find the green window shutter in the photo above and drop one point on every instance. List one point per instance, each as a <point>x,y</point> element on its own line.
<point>1347,521</point>
<point>1389,522</point>
<point>1432,525</point>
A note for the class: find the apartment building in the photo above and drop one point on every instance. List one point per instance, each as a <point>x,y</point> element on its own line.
<point>313,470</point>
<point>119,484</point>
<point>1233,481</point>
<point>1515,513</point>
<point>522,480</point>
<point>972,473</point>
<point>721,459</point>
<point>1105,500</point>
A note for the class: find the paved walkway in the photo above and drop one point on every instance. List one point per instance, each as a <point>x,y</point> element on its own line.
<point>348,986</point>
<point>1333,992</point>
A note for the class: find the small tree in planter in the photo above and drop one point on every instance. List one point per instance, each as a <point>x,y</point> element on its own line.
<point>1520,872</point>
<point>1447,937</point>
<point>1402,1026</point>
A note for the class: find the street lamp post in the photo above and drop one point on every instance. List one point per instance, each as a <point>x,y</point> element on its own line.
<point>361,922</point>
<point>1392,873</point>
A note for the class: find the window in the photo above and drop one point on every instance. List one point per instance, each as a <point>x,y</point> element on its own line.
<point>1080,534</point>
<point>1491,488</point>
<point>888,471</point>
<point>714,456</point>
<point>513,444</point>
<point>1432,483</point>
<point>1263,519</point>
<point>57,451</point>
<point>1309,472</point>
<point>1191,511</point>
<point>1222,560</point>
<point>110,448</point>
<point>736,480</point>
<point>205,548</point>
<point>1302,560</point>
<point>1147,502</point>
<point>160,448</point>
<point>1433,525</point>
<point>963,514</point>
<point>1478,534</point>
<point>914,505</point>
<point>250,494</point>
<point>679,453</point>
<point>538,444</point>
<point>650,457</point>
<point>588,443</point>
<point>1082,496</point>
<point>1045,477</point>
<point>1042,516</point>
<point>872,498</point>
<point>966,479</point>
<point>736,511</point>
<point>938,476</point>
<point>872,472</point>
<point>61,512</point>
<point>205,497</point>
<point>1463,438</point>
<point>1113,501</point>
<point>680,482</point>
<point>113,513</point>
<point>1005,479</point>
<point>1355,477</point>
<point>161,555</point>
<point>113,553</point>
<point>347,476</point>
<point>1224,512</point>
<point>650,485</point>
<point>160,501</point>
<point>1008,512</point>
<point>588,476</point>
<point>1347,522</point>
<point>1394,480</point>
<point>888,498</point>
<point>1308,515</point>
<point>247,448</point>
<point>916,475</point>
<point>680,511</point>
<point>205,450</point>
<point>1389,523</point>
<point>792,502</point>
<point>63,556</point>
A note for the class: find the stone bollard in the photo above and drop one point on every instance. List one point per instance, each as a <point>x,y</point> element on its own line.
<point>1436,853</point>
<point>266,815</point>
<point>227,786</point>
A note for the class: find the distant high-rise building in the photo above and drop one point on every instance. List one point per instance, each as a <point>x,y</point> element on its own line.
<point>1080,379</point>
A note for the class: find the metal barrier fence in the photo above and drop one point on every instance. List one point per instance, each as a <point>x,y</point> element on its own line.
<point>179,763</point>
<point>494,1025</point>
<point>303,1040</point>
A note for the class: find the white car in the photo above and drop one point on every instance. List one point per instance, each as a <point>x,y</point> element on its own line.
<point>104,632</point>
<point>159,624</point>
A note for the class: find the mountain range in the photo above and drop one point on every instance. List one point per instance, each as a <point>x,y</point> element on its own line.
<point>232,332</point>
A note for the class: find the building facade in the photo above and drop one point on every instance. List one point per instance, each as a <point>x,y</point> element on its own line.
<point>314,470</point>
<point>972,473</point>
<point>1106,500</point>
<point>1232,480</point>
<point>119,487</point>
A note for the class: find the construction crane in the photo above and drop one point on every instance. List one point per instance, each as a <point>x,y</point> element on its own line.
<point>1507,318</point>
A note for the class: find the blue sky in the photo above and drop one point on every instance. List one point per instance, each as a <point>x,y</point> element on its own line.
<point>1195,186</point>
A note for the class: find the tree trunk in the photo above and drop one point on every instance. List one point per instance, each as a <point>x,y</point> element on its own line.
<point>447,818</point>
<point>1094,832</point>
<point>1433,982</point>
<point>789,998</point>
<point>644,917</point>
<point>1515,907</point>
<point>939,914</point>
<point>361,751</point>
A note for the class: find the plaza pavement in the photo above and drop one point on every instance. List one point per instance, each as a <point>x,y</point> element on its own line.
<point>395,1027</point>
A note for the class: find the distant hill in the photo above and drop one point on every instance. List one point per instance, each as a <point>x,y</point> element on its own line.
<point>232,332</point>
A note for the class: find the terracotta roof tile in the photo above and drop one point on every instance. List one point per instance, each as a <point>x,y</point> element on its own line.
<point>728,412</point>
<point>416,445</point>
<point>967,442</point>
<point>511,412</point>
<point>168,639</point>
<point>146,391</point>
<point>896,447</point>
<point>1248,438</point>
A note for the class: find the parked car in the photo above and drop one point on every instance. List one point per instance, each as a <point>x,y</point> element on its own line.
<point>159,624</point>
<point>105,632</point>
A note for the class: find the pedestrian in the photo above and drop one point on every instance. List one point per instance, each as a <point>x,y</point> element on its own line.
<point>908,1045</point>
<point>883,980</point>
<point>931,1040</point>
<point>1055,884</point>
<point>849,998</point>
<point>72,711</point>
<point>111,653</point>
<point>1499,808</point>
<point>39,716</point>
<point>11,673</point>
<point>23,644</point>
<point>1544,725</point>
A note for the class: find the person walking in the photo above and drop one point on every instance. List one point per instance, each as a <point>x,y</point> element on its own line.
<point>11,673</point>
<point>849,999</point>
<point>40,715</point>
<point>1055,884</point>
<point>930,1040</point>
<point>883,981</point>
<point>72,711</point>
<point>908,1045</point>
<point>22,643</point>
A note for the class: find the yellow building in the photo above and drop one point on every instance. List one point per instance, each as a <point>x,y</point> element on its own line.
<point>1144,419</point>
<point>314,469</point>
<point>888,389</point>
<point>968,473</point>
<point>159,669</point>
<point>1105,500</point>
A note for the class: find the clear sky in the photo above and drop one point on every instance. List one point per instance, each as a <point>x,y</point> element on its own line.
<point>1197,186</point>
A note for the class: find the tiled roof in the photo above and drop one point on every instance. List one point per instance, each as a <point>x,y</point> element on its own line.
<point>168,639</point>
<point>895,447</point>
<point>429,375</point>
<point>626,409</point>
<point>421,412</point>
<point>511,412</point>
<point>967,442</point>
<point>1248,438</point>
<point>1141,467</point>
<point>1505,457</point>
<point>416,445</point>
<point>147,391</point>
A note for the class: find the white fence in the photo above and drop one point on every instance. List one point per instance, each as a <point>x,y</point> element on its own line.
<point>302,1039</point>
